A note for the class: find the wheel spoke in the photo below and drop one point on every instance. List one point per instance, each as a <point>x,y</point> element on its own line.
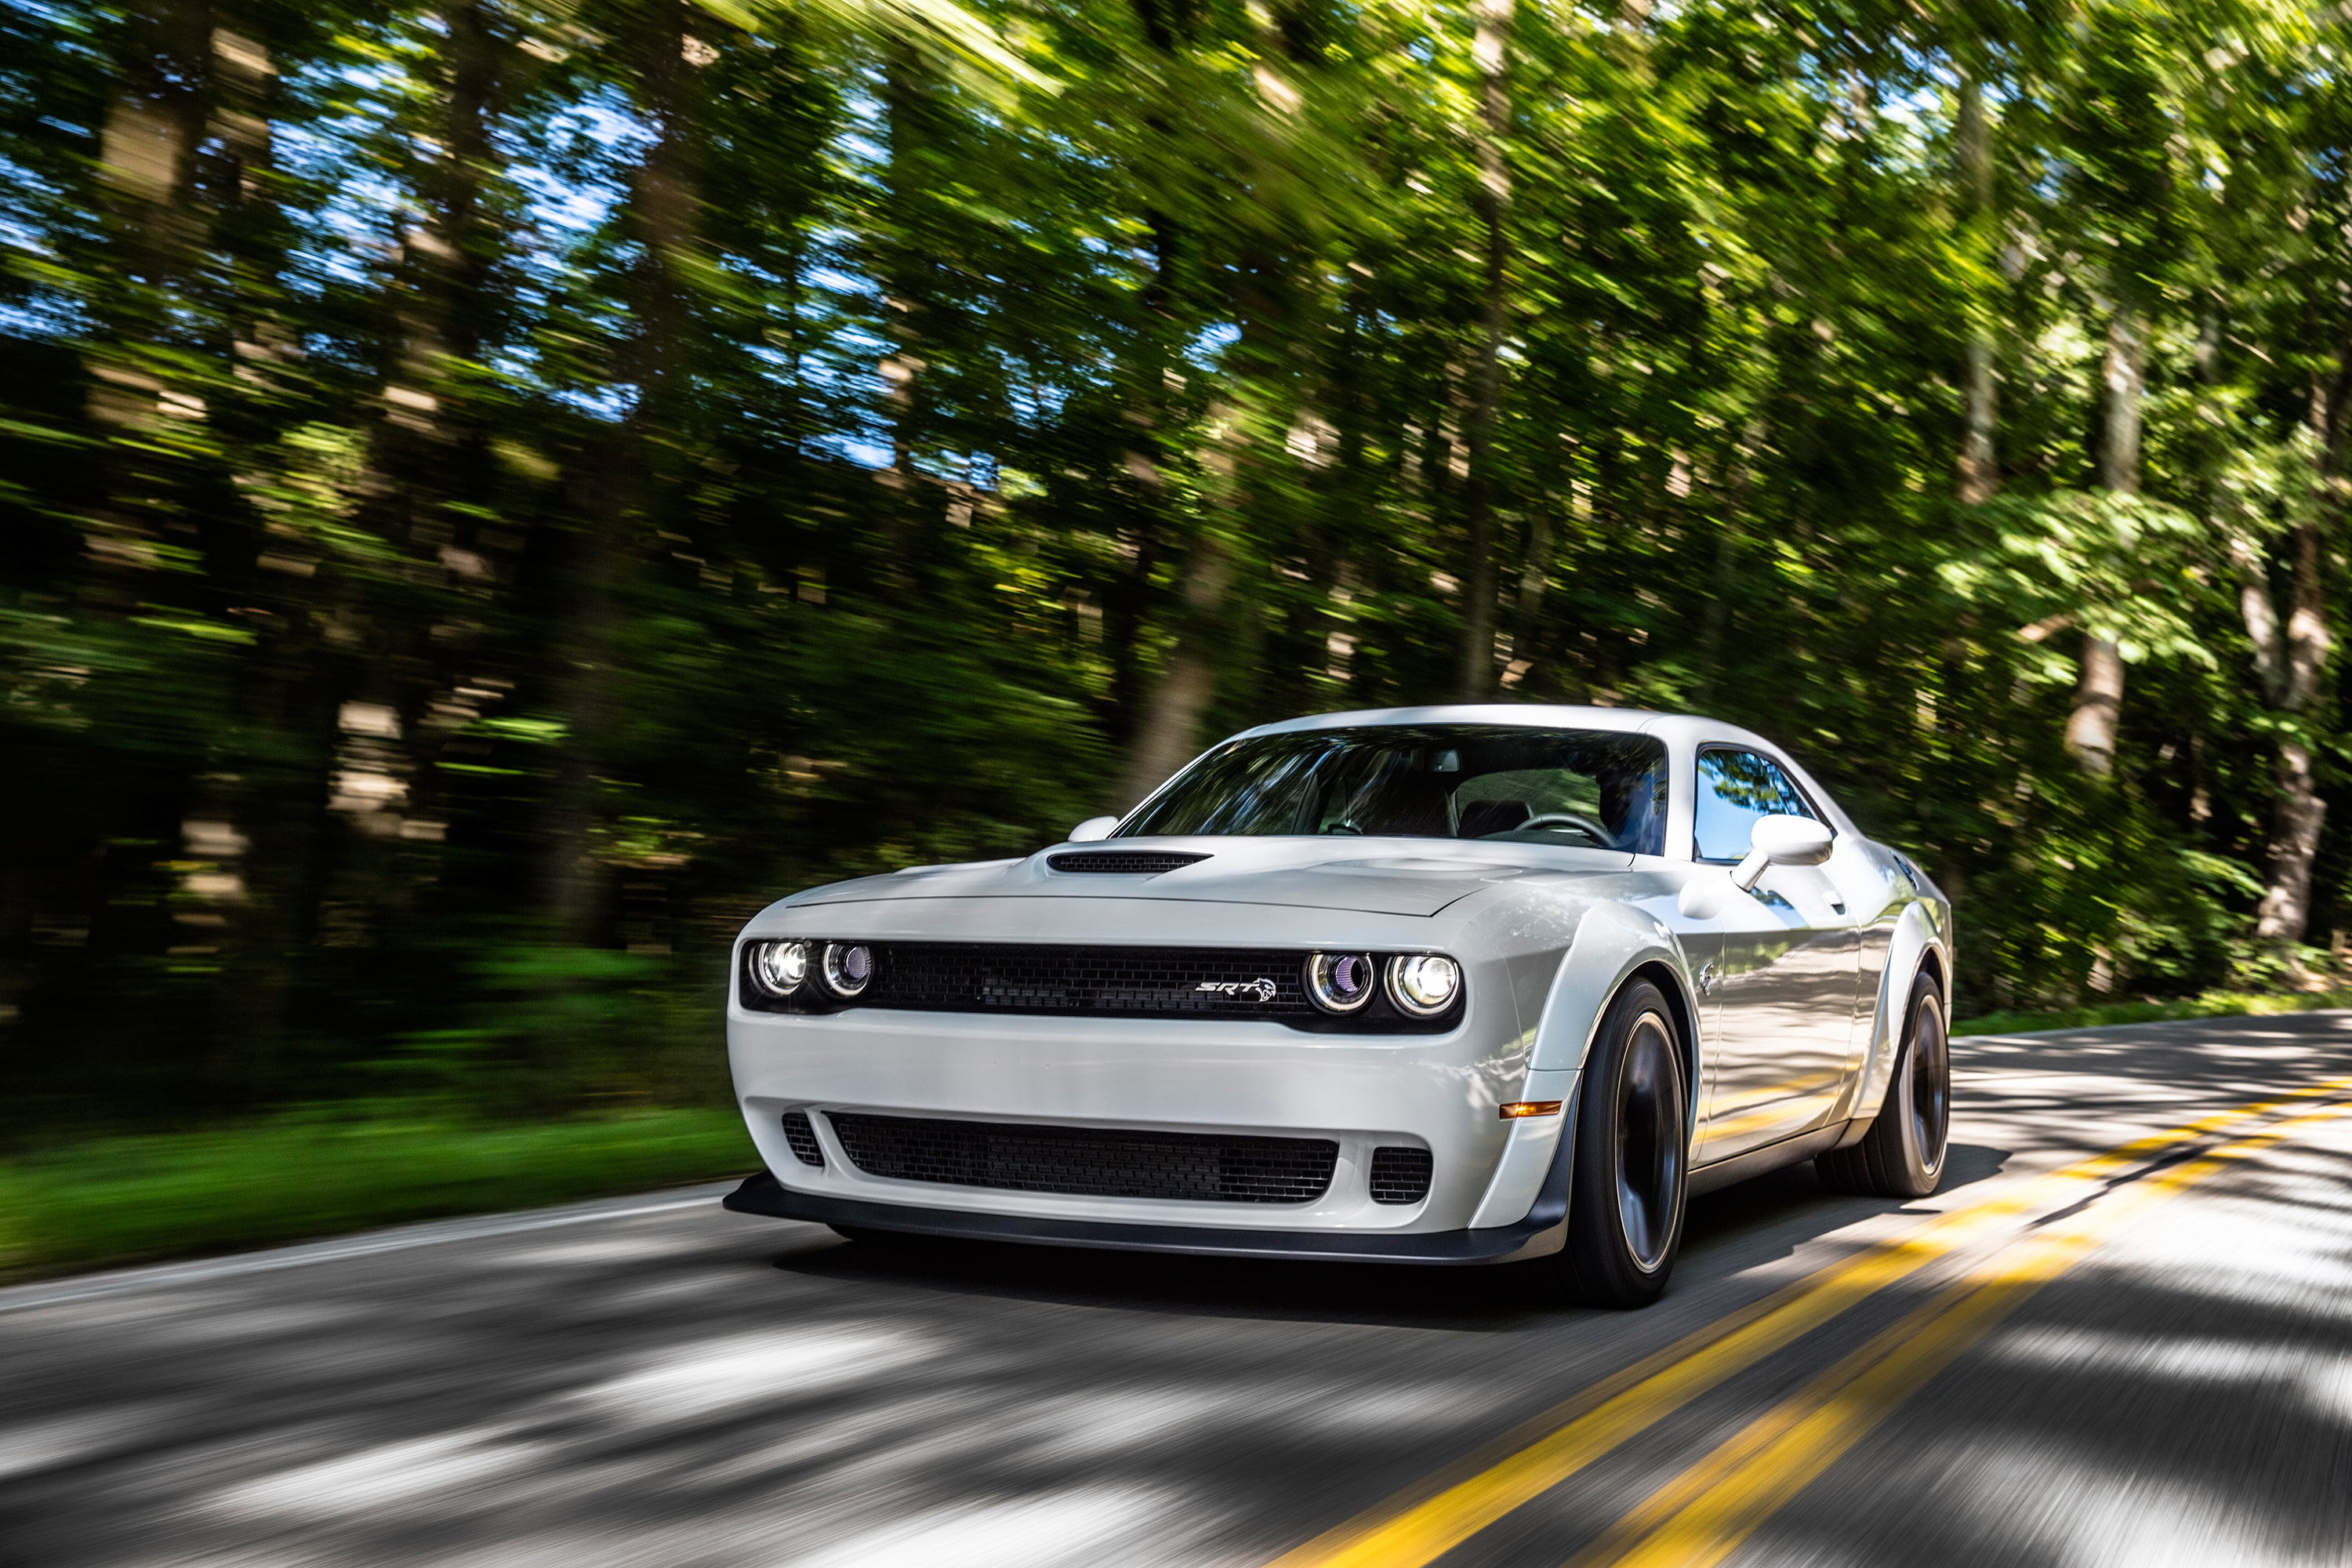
<point>1930,1084</point>
<point>1649,1141</point>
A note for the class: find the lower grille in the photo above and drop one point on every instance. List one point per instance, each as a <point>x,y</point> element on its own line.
<point>1401,1176</point>
<point>802,1138</point>
<point>1089,1161</point>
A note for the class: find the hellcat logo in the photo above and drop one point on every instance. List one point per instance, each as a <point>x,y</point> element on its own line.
<point>1260,990</point>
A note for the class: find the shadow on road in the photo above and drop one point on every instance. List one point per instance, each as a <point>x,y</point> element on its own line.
<point>1465,1300</point>
<point>2185,1396</point>
<point>693,1386</point>
<point>1728,1231</point>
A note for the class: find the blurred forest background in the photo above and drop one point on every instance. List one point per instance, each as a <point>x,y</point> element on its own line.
<point>496,491</point>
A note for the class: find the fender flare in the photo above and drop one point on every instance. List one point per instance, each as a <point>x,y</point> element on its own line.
<point>1613,943</point>
<point>1915,938</point>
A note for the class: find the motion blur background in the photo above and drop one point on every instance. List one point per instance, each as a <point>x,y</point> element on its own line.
<point>494,493</point>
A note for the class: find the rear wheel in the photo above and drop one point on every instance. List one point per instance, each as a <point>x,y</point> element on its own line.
<point>1626,1197</point>
<point>1902,1155</point>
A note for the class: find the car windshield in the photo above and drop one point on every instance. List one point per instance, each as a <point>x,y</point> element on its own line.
<point>1580,788</point>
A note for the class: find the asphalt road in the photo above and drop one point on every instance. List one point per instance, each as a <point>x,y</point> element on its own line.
<point>2145,1360</point>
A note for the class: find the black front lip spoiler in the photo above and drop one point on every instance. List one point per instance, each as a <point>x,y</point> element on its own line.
<point>1544,1231</point>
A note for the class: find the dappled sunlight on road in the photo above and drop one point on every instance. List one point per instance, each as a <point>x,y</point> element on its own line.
<point>2184,1397</point>
<point>685,1385</point>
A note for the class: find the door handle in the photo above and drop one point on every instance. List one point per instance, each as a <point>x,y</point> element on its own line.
<point>1837,902</point>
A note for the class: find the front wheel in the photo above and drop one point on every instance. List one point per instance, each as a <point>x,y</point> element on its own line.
<point>1625,1201</point>
<point>1902,1155</point>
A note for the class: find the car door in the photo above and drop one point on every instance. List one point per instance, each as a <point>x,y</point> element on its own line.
<point>1781,989</point>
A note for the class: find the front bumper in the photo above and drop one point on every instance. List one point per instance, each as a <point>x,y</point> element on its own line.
<point>1543,1231</point>
<point>1436,1092</point>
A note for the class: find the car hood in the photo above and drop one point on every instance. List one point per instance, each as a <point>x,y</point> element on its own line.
<point>1375,876</point>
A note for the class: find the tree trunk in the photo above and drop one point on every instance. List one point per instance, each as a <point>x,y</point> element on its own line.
<point>1170,723</point>
<point>909,277</point>
<point>2122,374</point>
<point>1528,646</point>
<point>2099,689</point>
<point>2099,701</point>
<point>2291,654</point>
<point>2296,818</point>
<point>1490,50</point>
<point>1714,624</point>
<point>574,884</point>
<point>274,783</point>
<point>1715,621</point>
<point>1979,477</point>
<point>1167,732</point>
<point>1129,600</point>
<point>635,475</point>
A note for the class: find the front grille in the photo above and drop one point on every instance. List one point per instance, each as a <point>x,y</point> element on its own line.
<point>802,1138</point>
<point>1401,1176</point>
<point>1089,1161</point>
<point>1093,982</point>
<point>1242,983</point>
<point>1122,862</point>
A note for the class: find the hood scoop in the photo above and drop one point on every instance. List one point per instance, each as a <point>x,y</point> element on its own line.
<point>1122,862</point>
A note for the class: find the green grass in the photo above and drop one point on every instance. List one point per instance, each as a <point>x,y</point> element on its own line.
<point>322,1173</point>
<point>2212,1004</point>
<point>129,1199</point>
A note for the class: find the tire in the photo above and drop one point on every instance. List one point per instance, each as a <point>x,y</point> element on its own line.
<point>1632,1157</point>
<point>1902,1155</point>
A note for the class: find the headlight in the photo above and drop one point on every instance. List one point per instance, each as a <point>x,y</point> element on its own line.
<point>778,968</point>
<point>847,967</point>
<point>1340,982</point>
<point>1423,985</point>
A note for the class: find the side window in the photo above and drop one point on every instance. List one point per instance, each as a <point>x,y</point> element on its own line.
<point>1734,788</point>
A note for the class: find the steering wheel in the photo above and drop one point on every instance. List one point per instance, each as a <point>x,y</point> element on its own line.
<point>1584,825</point>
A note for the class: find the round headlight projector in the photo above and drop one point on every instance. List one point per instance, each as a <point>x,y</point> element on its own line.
<point>778,967</point>
<point>847,967</point>
<point>1423,985</point>
<point>1420,984</point>
<point>1340,981</point>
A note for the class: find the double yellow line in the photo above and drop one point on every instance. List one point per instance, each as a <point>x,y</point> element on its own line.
<point>1701,1515</point>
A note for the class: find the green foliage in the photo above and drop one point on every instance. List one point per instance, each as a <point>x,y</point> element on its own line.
<point>491,496</point>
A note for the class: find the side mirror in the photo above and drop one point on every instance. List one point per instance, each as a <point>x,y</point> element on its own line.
<point>1092,828</point>
<point>1782,841</point>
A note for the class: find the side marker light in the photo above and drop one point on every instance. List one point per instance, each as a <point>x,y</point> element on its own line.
<point>1520,1109</point>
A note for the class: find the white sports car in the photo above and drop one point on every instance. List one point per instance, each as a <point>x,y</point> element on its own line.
<point>1456,984</point>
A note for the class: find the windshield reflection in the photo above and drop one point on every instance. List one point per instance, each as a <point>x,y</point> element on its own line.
<point>1580,788</point>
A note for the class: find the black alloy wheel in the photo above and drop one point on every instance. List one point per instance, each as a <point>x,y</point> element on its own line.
<point>1649,1141</point>
<point>1631,1156</point>
<point>1929,1085</point>
<point>1902,1155</point>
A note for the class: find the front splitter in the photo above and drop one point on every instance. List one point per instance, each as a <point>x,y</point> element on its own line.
<point>1543,1232</point>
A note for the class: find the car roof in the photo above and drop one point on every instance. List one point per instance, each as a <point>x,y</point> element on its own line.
<point>1688,728</point>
